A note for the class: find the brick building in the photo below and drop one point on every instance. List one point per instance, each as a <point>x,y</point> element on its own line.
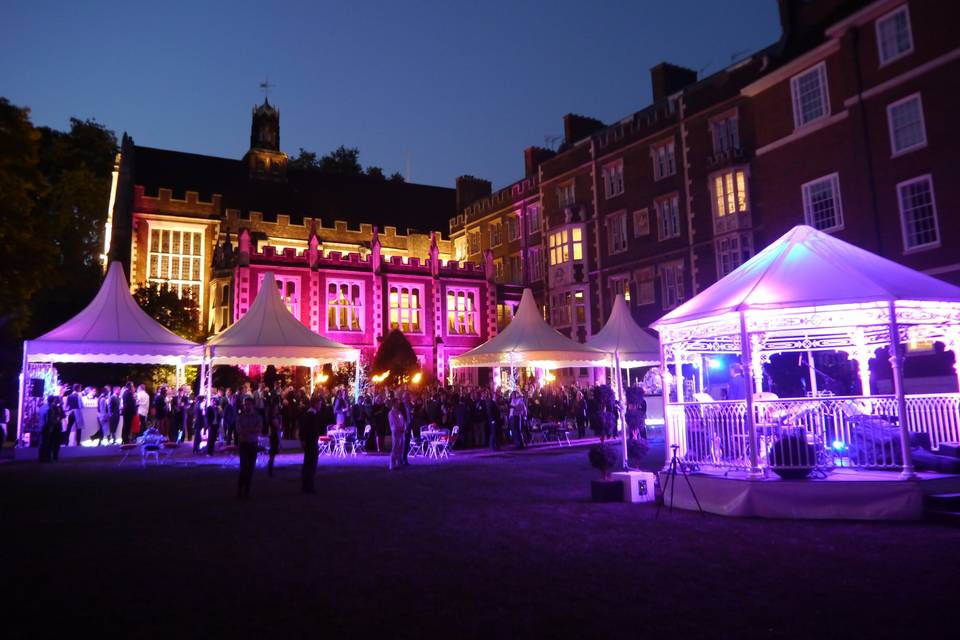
<point>210,227</point>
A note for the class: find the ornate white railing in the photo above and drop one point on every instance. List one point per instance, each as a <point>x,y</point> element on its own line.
<point>825,432</point>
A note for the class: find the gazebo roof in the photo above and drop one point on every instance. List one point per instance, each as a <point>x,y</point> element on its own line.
<point>269,334</point>
<point>112,328</point>
<point>809,268</point>
<point>623,336</point>
<point>529,341</point>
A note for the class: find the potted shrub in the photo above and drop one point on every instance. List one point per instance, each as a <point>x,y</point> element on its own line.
<point>636,451</point>
<point>605,459</point>
<point>792,457</point>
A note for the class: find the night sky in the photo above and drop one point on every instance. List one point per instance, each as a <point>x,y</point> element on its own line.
<point>455,87</point>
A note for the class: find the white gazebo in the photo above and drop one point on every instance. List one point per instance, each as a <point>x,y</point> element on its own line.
<point>269,334</point>
<point>806,292</point>
<point>530,342</point>
<point>111,329</point>
<point>627,345</point>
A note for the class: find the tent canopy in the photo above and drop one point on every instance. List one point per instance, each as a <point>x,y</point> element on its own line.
<point>269,334</point>
<point>624,337</point>
<point>529,341</point>
<point>808,268</point>
<point>112,328</point>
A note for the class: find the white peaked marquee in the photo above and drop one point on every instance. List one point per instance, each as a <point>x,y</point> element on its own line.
<point>627,345</point>
<point>529,341</point>
<point>809,291</point>
<point>111,329</point>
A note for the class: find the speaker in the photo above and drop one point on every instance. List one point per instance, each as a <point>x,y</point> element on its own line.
<point>36,387</point>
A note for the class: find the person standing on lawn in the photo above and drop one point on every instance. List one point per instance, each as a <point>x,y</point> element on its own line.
<point>398,428</point>
<point>249,426</point>
<point>309,437</point>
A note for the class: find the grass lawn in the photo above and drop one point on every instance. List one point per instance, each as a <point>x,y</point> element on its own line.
<point>500,546</point>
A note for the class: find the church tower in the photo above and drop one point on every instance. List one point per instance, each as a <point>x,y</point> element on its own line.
<point>264,159</point>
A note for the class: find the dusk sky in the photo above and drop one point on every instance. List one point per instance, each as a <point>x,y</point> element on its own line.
<point>456,87</point>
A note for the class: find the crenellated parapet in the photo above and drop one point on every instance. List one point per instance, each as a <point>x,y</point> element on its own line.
<point>165,203</point>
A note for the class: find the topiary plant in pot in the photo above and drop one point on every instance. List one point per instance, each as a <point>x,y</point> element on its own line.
<point>792,457</point>
<point>605,458</point>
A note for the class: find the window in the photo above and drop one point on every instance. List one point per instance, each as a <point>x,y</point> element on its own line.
<point>535,264</point>
<point>664,162</point>
<point>821,203</point>
<point>533,219</point>
<point>641,223</point>
<point>732,251</point>
<point>463,317</point>
<point>473,239</point>
<point>671,282</point>
<point>617,232</point>
<point>504,315</point>
<point>729,193</point>
<point>460,249</point>
<point>579,308</point>
<point>613,179</point>
<point>905,121</point>
<point>668,218</point>
<point>406,307</point>
<point>894,39</point>
<point>513,228</point>
<point>498,269</point>
<point>344,305</point>
<point>620,285</point>
<point>646,293</point>
<point>810,101</point>
<point>496,233</point>
<point>175,260</point>
<point>566,194</point>
<point>221,293</point>
<point>918,213</point>
<point>726,134</point>
<point>560,306</point>
<point>563,243</point>
<point>516,269</point>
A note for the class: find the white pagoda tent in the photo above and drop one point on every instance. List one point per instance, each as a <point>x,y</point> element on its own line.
<point>269,334</point>
<point>530,342</point>
<point>627,345</point>
<point>111,329</point>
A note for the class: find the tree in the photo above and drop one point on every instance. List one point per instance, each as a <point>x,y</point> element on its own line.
<point>396,176</point>
<point>304,160</point>
<point>180,315</point>
<point>342,161</point>
<point>376,172</point>
<point>396,356</point>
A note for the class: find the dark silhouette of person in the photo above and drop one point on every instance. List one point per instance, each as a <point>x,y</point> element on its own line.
<point>128,407</point>
<point>309,427</point>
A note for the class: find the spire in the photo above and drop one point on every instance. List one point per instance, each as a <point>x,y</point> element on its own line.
<point>313,245</point>
<point>434,255</point>
<point>375,250</point>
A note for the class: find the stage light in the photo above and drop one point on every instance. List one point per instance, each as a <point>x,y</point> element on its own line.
<point>417,377</point>
<point>839,446</point>
<point>549,377</point>
<point>323,377</point>
<point>714,363</point>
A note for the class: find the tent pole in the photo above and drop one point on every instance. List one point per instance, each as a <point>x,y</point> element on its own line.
<point>620,408</point>
<point>896,363</point>
<point>812,371</point>
<point>665,392</point>
<point>23,382</point>
<point>749,422</point>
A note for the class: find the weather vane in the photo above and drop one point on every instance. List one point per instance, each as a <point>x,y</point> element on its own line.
<point>266,86</point>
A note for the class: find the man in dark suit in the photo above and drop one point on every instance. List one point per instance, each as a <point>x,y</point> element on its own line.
<point>74,417</point>
<point>309,427</point>
<point>213,417</point>
<point>492,414</point>
<point>113,413</point>
<point>128,406</point>
<point>408,411</point>
<point>199,420</point>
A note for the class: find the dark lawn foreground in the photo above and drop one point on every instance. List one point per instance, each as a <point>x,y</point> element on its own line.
<point>496,547</point>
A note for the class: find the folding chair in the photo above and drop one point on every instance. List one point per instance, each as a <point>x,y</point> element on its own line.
<point>360,444</point>
<point>150,445</point>
<point>126,450</point>
<point>324,443</point>
<point>416,447</point>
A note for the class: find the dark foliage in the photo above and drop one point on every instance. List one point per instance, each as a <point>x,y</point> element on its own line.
<point>603,458</point>
<point>395,355</point>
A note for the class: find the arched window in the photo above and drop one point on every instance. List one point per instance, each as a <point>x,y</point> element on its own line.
<point>344,305</point>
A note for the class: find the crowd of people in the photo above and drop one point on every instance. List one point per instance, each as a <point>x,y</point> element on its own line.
<point>239,417</point>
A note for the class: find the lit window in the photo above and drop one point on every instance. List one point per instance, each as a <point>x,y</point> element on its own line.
<point>729,193</point>
<point>504,315</point>
<point>175,260</point>
<point>460,249</point>
<point>732,251</point>
<point>566,194</point>
<point>498,269</point>
<point>406,307</point>
<point>821,203</point>
<point>533,219</point>
<point>668,218</point>
<point>462,312</point>
<point>579,308</point>
<point>905,120</point>
<point>559,250</point>
<point>344,305</point>
<point>617,232</point>
<point>726,134</point>
<point>664,160</point>
<point>894,39</point>
<point>918,213</point>
<point>513,228</point>
<point>671,281</point>
<point>516,269</point>
<point>620,285</point>
<point>613,179</point>
<point>577,240</point>
<point>810,101</point>
<point>535,262</point>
